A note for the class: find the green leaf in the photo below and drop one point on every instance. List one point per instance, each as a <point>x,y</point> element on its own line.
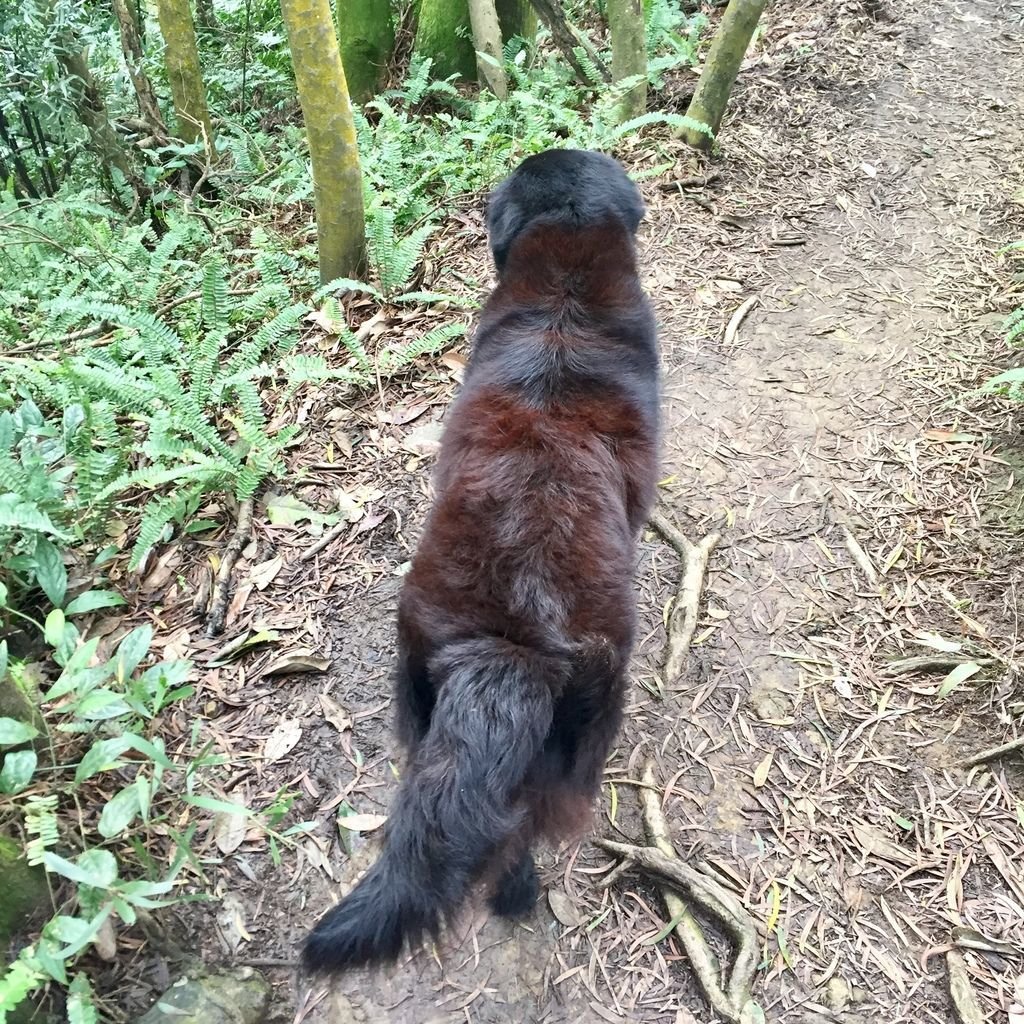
<point>53,628</point>
<point>13,732</point>
<point>101,866</point>
<point>132,649</point>
<point>3,595</point>
<point>959,675</point>
<point>752,1013</point>
<point>119,813</point>
<point>209,803</point>
<point>51,573</point>
<point>80,1006</point>
<point>91,600</point>
<point>3,659</point>
<point>16,772</point>
<point>102,756</point>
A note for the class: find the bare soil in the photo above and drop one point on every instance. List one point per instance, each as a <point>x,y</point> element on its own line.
<point>870,512</point>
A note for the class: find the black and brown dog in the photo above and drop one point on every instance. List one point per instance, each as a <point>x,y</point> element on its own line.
<point>517,619</point>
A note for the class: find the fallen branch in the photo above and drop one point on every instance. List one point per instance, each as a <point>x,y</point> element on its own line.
<point>737,318</point>
<point>222,588</point>
<point>731,1000</point>
<point>931,663</point>
<point>682,622</point>
<point>994,752</point>
<point>695,181</point>
<point>324,539</point>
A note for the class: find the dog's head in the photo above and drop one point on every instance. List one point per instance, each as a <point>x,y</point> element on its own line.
<point>575,187</point>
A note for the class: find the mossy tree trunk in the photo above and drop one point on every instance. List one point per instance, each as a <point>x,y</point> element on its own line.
<point>181,55</point>
<point>366,35</point>
<point>91,108</point>
<point>131,46</point>
<point>629,53</point>
<point>714,86</point>
<point>443,33</point>
<point>487,40</point>
<point>327,110</point>
<point>517,18</point>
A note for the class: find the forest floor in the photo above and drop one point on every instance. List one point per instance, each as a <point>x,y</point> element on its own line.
<point>868,175</point>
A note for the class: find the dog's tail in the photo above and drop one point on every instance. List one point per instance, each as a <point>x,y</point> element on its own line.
<point>456,805</point>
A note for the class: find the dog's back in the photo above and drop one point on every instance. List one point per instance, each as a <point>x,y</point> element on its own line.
<point>516,620</point>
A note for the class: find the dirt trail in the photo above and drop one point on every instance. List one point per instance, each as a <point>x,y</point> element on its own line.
<point>866,182</point>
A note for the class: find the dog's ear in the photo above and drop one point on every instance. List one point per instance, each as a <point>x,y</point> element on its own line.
<point>505,219</point>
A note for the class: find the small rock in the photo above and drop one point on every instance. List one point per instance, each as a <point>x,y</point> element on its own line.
<point>240,996</point>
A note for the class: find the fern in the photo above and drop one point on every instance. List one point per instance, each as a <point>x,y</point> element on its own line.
<point>214,310</point>
<point>432,341</point>
<point>42,825</point>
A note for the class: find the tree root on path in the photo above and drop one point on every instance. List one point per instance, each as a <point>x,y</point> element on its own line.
<point>732,1001</point>
<point>682,622</point>
<point>218,613</point>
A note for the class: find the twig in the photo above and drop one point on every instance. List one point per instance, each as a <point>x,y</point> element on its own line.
<point>222,588</point>
<point>860,556</point>
<point>993,753</point>
<point>660,859</point>
<point>737,318</point>
<point>327,538</point>
<point>697,181</point>
<point>702,959</point>
<point>682,622</point>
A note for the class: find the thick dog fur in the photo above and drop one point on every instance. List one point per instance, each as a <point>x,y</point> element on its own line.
<point>517,618</point>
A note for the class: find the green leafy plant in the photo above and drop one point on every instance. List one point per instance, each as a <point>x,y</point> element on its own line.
<point>1010,383</point>
<point>100,766</point>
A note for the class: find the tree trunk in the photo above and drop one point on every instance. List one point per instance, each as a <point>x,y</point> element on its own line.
<point>517,18</point>
<point>181,55</point>
<point>323,95</point>
<point>721,68</point>
<point>131,46</point>
<point>566,38</point>
<point>205,15</point>
<point>366,35</point>
<point>92,112</point>
<point>443,34</point>
<point>487,40</point>
<point>24,186</point>
<point>629,53</point>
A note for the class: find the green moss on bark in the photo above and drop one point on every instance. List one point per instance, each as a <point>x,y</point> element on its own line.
<point>728,49</point>
<point>366,36</point>
<point>443,34</point>
<point>24,893</point>
<point>327,110</point>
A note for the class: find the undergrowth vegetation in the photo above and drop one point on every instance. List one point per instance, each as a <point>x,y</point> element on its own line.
<point>150,361</point>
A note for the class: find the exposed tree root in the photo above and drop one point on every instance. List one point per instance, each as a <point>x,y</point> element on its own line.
<point>221,597</point>
<point>731,1000</point>
<point>682,622</point>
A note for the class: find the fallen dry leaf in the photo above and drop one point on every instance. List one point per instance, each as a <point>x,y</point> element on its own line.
<point>361,822</point>
<point>282,739</point>
<point>262,575</point>
<point>302,660</point>
<point>334,713</point>
<point>229,830</point>
<point>563,908</point>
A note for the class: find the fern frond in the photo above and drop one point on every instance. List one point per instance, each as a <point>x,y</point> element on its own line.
<point>214,304</point>
<point>41,824</point>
